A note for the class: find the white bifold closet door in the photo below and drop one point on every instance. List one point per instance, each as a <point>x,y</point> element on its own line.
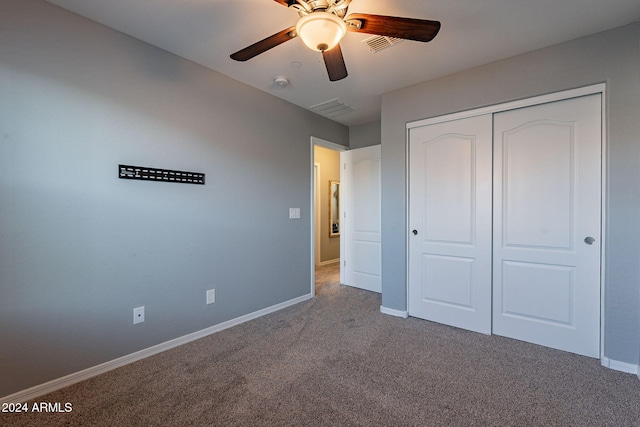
<point>505,235</point>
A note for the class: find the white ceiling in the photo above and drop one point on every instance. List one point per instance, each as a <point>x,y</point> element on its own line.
<point>474,32</point>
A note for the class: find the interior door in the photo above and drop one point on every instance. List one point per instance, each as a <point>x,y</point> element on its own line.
<point>450,223</point>
<point>547,219</point>
<point>362,221</point>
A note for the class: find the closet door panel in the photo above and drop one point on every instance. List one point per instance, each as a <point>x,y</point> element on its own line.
<point>547,224</point>
<point>450,223</point>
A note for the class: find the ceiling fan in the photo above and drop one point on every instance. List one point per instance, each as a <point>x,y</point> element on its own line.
<point>323,24</point>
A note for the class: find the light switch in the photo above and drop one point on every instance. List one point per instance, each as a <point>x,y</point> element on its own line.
<point>294,213</point>
<point>211,296</point>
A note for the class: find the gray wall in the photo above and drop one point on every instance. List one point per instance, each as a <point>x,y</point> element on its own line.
<point>80,248</point>
<point>365,135</point>
<point>612,57</point>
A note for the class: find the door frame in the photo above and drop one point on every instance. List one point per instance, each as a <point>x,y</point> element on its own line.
<point>316,212</point>
<point>315,141</point>
<point>600,88</point>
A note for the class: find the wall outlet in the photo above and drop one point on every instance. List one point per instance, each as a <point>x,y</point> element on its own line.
<point>138,315</point>
<point>294,213</point>
<point>211,296</point>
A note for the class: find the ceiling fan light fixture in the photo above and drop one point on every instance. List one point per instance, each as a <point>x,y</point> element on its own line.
<point>321,31</point>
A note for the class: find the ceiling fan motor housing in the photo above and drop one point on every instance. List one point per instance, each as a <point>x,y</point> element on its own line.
<point>305,7</point>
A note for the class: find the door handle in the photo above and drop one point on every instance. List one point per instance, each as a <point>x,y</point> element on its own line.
<point>415,232</point>
<point>589,240</point>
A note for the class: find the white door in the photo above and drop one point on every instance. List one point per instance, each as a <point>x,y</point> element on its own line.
<point>361,218</point>
<point>450,223</point>
<point>547,202</point>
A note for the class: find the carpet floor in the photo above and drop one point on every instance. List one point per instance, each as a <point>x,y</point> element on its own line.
<point>336,360</point>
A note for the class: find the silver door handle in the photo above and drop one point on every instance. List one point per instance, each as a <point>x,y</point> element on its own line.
<point>589,240</point>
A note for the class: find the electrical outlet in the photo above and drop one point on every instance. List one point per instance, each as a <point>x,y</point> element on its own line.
<point>294,213</point>
<point>138,315</point>
<point>211,296</point>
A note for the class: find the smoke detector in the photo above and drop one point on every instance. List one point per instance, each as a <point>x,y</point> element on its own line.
<point>280,82</point>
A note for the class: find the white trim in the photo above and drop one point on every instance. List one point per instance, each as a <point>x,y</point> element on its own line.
<point>57,384</point>
<point>521,103</point>
<point>316,213</point>
<point>604,203</point>
<point>327,144</point>
<point>312,214</point>
<point>392,312</point>
<point>600,88</point>
<point>344,185</point>
<point>407,192</point>
<point>616,365</point>
<point>331,261</point>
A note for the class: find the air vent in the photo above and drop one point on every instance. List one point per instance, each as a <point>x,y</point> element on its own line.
<point>332,108</point>
<point>378,43</point>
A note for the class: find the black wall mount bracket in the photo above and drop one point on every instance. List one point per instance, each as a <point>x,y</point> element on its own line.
<point>155,174</point>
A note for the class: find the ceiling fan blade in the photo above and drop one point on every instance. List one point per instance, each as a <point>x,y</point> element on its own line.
<point>392,26</point>
<point>283,2</point>
<point>334,61</point>
<point>264,45</point>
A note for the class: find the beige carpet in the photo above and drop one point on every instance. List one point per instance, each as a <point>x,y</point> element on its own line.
<point>336,361</point>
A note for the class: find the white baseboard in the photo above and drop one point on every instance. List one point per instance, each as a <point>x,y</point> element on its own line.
<point>329,262</point>
<point>620,366</point>
<point>392,312</point>
<point>57,384</point>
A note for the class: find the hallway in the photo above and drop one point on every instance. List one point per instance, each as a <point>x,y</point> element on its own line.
<point>327,279</point>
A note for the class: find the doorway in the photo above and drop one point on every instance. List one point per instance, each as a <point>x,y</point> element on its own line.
<point>352,213</point>
<point>325,207</point>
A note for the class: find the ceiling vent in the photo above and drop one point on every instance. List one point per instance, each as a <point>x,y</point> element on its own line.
<point>332,108</point>
<point>378,43</point>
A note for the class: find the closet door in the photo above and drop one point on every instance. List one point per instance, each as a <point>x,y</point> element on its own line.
<point>547,222</point>
<point>450,223</point>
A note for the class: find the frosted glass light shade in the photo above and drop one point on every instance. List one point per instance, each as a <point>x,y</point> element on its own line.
<point>321,30</point>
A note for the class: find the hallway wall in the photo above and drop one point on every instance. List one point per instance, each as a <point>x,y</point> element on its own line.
<point>329,171</point>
